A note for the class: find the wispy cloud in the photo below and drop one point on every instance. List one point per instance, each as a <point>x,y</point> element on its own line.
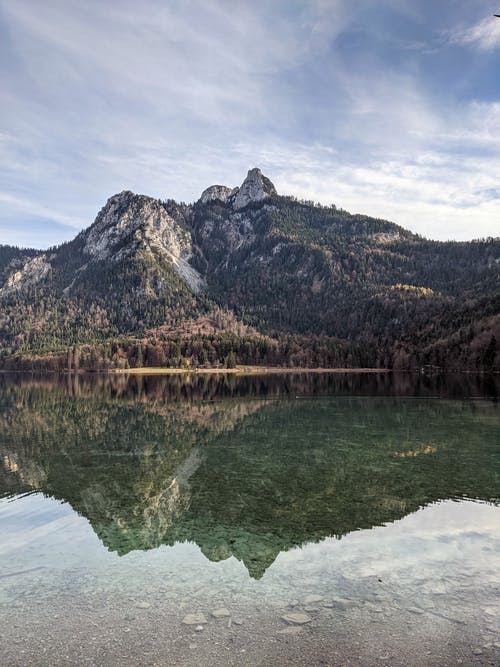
<point>484,35</point>
<point>436,194</point>
<point>34,209</point>
<point>338,100</point>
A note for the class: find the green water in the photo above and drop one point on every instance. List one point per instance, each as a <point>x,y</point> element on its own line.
<point>377,495</point>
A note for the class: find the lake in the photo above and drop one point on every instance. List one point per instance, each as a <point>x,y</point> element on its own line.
<point>309,519</point>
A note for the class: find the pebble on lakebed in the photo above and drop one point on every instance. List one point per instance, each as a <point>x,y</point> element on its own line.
<point>221,613</point>
<point>143,605</point>
<point>194,619</point>
<point>313,599</point>
<point>297,619</point>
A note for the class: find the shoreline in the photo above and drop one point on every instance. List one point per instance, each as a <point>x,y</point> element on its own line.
<point>239,370</point>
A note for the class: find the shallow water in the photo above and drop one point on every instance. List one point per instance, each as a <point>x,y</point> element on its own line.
<point>326,520</point>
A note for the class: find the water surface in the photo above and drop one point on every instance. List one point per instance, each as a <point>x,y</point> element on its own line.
<point>365,506</point>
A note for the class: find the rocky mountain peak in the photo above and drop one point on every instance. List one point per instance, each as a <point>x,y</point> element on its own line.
<point>130,223</point>
<point>217,192</point>
<point>256,187</point>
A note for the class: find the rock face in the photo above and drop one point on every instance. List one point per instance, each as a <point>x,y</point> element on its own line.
<point>254,188</point>
<point>217,192</point>
<point>130,223</point>
<point>222,234</point>
<point>26,272</point>
<point>142,263</point>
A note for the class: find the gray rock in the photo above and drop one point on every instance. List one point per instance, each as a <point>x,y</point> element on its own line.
<point>254,188</point>
<point>313,599</point>
<point>143,605</point>
<point>221,613</point>
<point>217,192</point>
<point>194,619</point>
<point>24,273</point>
<point>343,603</point>
<point>127,215</point>
<point>297,618</point>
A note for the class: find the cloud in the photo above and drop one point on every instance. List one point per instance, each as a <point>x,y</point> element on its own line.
<point>484,35</point>
<point>33,209</point>
<point>337,100</point>
<point>435,194</point>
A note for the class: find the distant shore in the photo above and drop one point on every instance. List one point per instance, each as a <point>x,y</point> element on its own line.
<point>240,370</point>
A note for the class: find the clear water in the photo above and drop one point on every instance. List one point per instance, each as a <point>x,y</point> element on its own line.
<point>367,505</point>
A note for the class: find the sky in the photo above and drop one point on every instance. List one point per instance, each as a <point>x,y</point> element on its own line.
<point>389,108</point>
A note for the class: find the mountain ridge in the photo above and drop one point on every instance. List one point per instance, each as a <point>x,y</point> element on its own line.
<point>284,267</point>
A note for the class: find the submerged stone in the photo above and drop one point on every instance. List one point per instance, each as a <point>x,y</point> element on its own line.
<point>143,605</point>
<point>343,603</point>
<point>221,613</point>
<point>313,599</point>
<point>297,619</point>
<point>194,619</point>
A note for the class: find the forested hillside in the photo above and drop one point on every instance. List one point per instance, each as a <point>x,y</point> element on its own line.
<point>245,276</point>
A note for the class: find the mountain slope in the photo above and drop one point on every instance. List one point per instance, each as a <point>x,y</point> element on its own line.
<point>320,261</point>
<point>290,269</point>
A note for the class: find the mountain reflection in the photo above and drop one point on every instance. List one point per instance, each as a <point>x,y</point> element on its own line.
<point>222,462</point>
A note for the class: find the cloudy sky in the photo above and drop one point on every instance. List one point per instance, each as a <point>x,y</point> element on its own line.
<point>390,108</point>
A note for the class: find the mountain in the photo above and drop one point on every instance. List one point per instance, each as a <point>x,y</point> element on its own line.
<point>245,275</point>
